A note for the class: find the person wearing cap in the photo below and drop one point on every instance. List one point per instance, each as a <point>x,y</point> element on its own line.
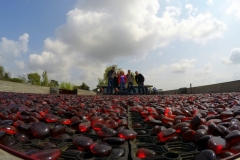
<point>139,78</point>
<point>110,76</point>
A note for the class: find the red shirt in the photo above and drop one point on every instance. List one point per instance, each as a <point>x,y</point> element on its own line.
<point>119,78</point>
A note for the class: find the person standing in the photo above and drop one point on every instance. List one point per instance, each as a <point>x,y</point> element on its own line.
<point>122,81</point>
<point>110,76</point>
<point>139,78</point>
<point>130,80</point>
<point>115,81</point>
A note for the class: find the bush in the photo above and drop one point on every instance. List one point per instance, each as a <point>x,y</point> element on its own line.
<point>16,80</point>
<point>66,85</point>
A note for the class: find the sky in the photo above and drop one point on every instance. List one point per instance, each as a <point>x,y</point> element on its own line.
<point>172,43</point>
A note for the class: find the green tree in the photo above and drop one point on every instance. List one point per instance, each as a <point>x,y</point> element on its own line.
<point>84,86</point>
<point>2,71</point>
<point>66,85</point>
<point>34,78</point>
<point>104,80</point>
<point>7,76</point>
<point>23,78</point>
<point>45,79</point>
<point>69,86</point>
<point>53,83</point>
<point>95,90</point>
<point>62,85</point>
<point>4,75</point>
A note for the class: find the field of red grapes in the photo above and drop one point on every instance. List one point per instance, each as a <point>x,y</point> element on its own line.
<point>71,127</point>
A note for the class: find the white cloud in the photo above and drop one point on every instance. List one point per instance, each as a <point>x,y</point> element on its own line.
<point>212,74</point>
<point>210,2</point>
<point>226,61</point>
<point>202,76</point>
<point>182,66</point>
<point>93,32</point>
<point>189,7</point>
<point>52,63</point>
<point>236,76</point>
<point>67,67</point>
<point>160,53</point>
<point>191,10</point>
<point>234,8</point>
<point>158,70</point>
<point>20,64</point>
<point>10,48</point>
<point>201,28</point>
<point>206,70</point>
<point>234,57</point>
<point>142,57</point>
<point>40,60</point>
<point>11,52</point>
<point>155,75</point>
<point>97,33</point>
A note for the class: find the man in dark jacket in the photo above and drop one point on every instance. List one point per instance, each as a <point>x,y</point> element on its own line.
<point>110,76</point>
<point>140,81</point>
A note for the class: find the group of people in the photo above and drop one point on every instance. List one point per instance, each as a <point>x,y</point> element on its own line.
<point>121,83</point>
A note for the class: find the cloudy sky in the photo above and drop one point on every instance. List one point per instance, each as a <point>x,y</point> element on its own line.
<point>171,42</point>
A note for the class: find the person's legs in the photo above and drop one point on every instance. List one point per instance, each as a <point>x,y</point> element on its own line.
<point>124,86</point>
<point>134,90</point>
<point>143,88</point>
<point>128,87</point>
<point>115,85</point>
<point>121,86</point>
<point>131,87</point>
<point>111,83</point>
<point>139,88</point>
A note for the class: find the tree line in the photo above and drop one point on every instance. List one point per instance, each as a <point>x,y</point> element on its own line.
<point>36,79</point>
